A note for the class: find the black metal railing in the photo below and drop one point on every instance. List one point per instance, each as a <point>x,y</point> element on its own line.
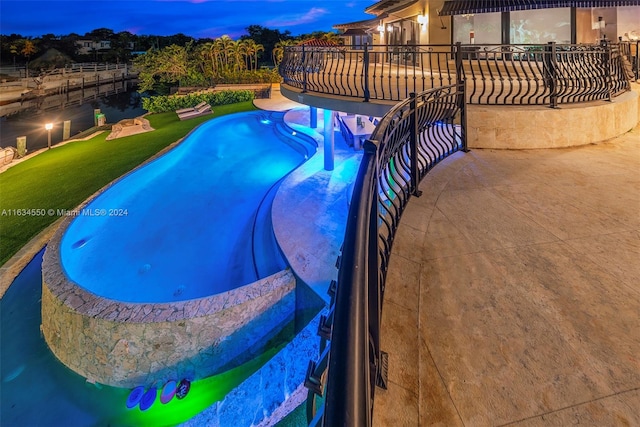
<point>630,50</point>
<point>548,74</point>
<point>410,139</point>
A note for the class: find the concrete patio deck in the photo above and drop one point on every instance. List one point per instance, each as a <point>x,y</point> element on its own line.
<point>513,294</point>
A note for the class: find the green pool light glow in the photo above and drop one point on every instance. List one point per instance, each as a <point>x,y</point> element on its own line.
<point>202,394</point>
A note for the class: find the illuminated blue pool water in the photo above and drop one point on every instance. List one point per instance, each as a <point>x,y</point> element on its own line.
<point>242,157</point>
<point>183,226</point>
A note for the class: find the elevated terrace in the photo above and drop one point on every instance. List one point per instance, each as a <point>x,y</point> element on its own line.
<point>565,88</point>
<point>511,296</point>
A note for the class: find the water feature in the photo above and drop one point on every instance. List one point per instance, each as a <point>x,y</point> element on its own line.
<point>37,390</point>
<point>188,217</point>
<point>117,101</point>
<point>34,380</point>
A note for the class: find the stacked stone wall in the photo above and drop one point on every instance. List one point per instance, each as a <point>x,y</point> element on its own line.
<point>127,344</point>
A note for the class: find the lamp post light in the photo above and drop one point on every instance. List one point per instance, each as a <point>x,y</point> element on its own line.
<point>48,127</point>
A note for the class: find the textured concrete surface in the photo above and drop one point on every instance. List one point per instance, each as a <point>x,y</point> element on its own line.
<point>310,209</point>
<point>513,294</point>
<point>509,127</point>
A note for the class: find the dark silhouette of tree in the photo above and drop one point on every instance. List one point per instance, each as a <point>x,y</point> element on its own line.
<point>268,38</point>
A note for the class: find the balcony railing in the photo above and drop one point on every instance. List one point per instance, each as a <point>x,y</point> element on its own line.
<point>415,135</point>
<point>410,139</point>
<point>550,74</point>
<point>631,51</point>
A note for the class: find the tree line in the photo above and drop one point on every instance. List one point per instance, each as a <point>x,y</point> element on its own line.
<point>19,50</point>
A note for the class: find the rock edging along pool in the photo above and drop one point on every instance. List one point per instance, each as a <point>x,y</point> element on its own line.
<point>188,309</point>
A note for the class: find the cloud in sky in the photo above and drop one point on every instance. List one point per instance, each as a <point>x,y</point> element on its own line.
<point>313,15</point>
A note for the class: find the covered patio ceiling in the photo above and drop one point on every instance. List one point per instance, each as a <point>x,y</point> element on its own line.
<point>461,7</point>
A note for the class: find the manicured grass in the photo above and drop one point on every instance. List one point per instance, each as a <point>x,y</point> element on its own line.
<point>63,177</point>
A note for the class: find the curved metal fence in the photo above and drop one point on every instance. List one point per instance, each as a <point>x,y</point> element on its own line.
<point>550,74</point>
<point>410,139</point>
<point>414,136</point>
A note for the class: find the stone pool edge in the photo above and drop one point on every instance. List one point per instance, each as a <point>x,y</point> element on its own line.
<point>126,344</point>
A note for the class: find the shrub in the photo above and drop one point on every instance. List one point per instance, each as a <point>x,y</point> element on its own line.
<point>249,76</point>
<point>163,104</point>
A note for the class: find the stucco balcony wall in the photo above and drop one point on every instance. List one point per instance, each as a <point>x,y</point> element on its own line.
<point>511,127</point>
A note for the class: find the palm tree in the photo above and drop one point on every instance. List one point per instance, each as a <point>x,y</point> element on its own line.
<point>278,50</point>
<point>28,49</point>
<point>238,55</point>
<point>252,49</point>
<point>332,37</point>
<point>258,48</point>
<point>226,48</point>
<point>207,59</point>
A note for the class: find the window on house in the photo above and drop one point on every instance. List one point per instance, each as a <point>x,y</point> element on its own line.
<point>481,28</point>
<point>541,26</point>
<point>358,41</point>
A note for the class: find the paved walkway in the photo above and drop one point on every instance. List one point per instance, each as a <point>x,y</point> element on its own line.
<point>513,293</point>
<point>310,209</point>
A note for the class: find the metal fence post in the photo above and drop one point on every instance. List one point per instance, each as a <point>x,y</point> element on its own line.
<point>550,68</point>
<point>379,360</point>
<point>365,58</point>
<point>462,103</point>
<point>413,144</point>
<point>304,71</point>
<point>457,51</point>
<point>606,66</point>
<point>636,61</point>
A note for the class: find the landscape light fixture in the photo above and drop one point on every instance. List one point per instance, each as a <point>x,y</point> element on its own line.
<point>48,127</point>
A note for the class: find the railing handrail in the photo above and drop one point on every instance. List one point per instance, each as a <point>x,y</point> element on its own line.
<point>408,141</point>
<point>496,74</point>
<point>402,149</point>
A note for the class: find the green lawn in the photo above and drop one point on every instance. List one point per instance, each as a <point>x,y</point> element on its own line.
<point>62,178</point>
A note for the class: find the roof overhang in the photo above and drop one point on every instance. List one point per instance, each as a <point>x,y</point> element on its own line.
<point>318,43</point>
<point>355,32</point>
<point>461,7</point>
<point>388,5</point>
<point>364,25</point>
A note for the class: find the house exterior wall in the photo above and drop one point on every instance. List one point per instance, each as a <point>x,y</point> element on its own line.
<point>529,26</point>
<point>628,21</point>
<point>439,27</point>
<point>545,25</point>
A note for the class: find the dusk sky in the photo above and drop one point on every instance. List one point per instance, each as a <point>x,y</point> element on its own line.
<point>195,18</point>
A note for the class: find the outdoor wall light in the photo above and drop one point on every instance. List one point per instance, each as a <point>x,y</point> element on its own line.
<point>381,28</point>
<point>389,28</point>
<point>423,20</point>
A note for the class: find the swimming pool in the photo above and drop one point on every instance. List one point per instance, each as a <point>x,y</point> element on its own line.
<point>173,271</point>
<point>182,226</point>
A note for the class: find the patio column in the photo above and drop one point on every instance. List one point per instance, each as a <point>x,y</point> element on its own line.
<point>313,117</point>
<point>329,149</point>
